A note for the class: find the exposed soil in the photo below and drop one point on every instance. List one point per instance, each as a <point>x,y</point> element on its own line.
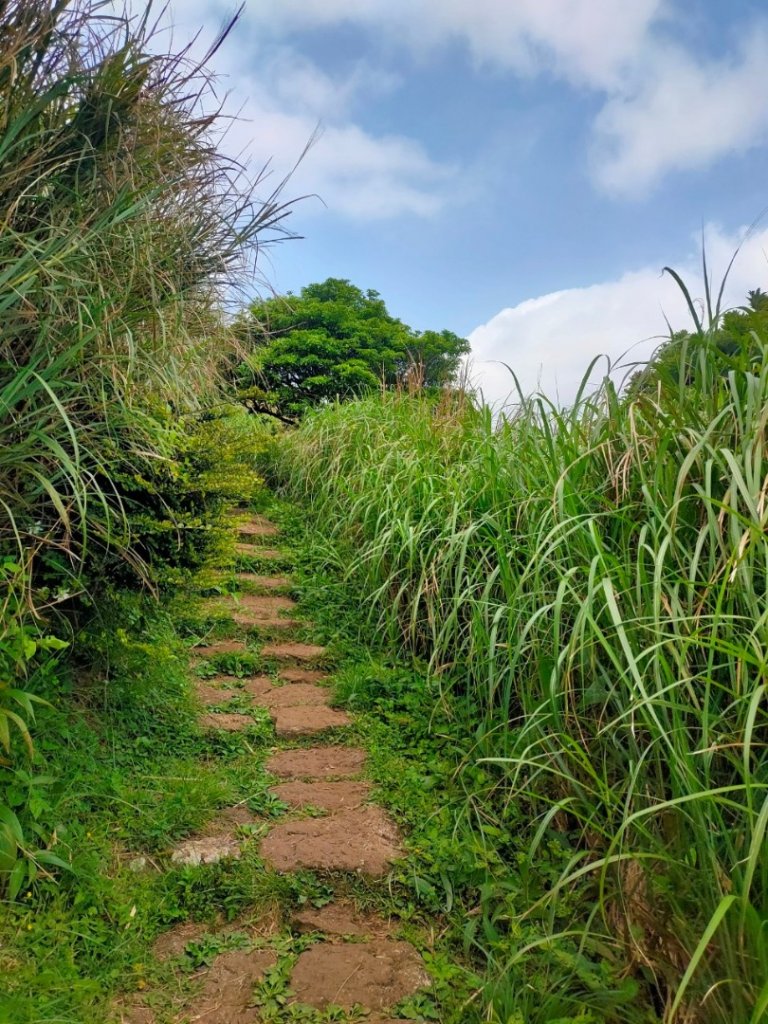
<point>317,763</point>
<point>340,918</point>
<point>363,840</point>
<point>227,988</point>
<point>375,974</point>
<point>226,721</point>
<point>328,796</point>
<point>212,696</point>
<point>293,652</point>
<point>219,840</point>
<point>226,684</point>
<point>171,944</point>
<point>237,815</point>
<point>306,720</point>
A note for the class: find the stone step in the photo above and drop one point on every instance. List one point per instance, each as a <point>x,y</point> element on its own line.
<point>219,648</point>
<point>264,582</point>
<point>266,610</point>
<point>295,694</point>
<point>306,720</point>
<point>225,721</point>
<point>364,841</point>
<point>265,554</point>
<point>302,675</point>
<point>328,796</point>
<point>316,763</point>
<point>375,975</point>
<point>261,606</point>
<point>258,686</point>
<point>341,918</point>
<point>211,695</point>
<point>246,620</point>
<point>258,527</point>
<point>293,652</point>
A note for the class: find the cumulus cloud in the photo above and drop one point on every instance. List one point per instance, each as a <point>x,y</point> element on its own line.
<point>550,341</point>
<point>279,100</point>
<point>588,40</point>
<point>684,114</point>
<point>664,108</point>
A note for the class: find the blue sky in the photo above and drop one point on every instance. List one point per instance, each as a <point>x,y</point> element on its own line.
<point>516,171</point>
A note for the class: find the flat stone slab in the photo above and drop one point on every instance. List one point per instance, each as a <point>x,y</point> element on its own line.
<point>258,686</point>
<point>219,648</point>
<point>302,675</point>
<point>254,551</point>
<point>306,720</point>
<point>341,918</point>
<point>317,763</point>
<point>258,528</point>
<point>293,652</point>
<point>264,582</point>
<point>226,994</point>
<point>266,605</point>
<point>375,975</point>
<point>364,840</point>
<point>329,796</point>
<point>226,722</point>
<point>262,610</point>
<point>295,695</point>
<point>248,621</point>
<point>206,850</point>
<point>211,695</point>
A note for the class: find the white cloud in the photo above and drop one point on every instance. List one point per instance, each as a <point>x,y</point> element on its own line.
<point>281,99</point>
<point>683,115</point>
<point>664,108</point>
<point>589,40</point>
<point>354,173</point>
<point>550,341</point>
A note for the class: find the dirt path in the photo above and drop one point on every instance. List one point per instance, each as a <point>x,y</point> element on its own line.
<point>350,960</point>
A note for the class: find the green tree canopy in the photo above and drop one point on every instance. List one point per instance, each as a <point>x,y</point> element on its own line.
<point>735,338</point>
<point>334,341</point>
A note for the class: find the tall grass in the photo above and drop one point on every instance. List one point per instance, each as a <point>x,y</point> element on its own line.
<point>593,583</point>
<point>121,223</point>
<point>121,226</point>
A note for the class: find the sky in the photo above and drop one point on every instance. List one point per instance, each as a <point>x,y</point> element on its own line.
<point>516,171</point>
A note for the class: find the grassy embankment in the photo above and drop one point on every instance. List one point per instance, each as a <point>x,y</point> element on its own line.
<point>121,223</point>
<point>588,590</point>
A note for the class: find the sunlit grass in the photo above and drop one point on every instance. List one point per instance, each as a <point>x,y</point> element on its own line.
<point>595,580</point>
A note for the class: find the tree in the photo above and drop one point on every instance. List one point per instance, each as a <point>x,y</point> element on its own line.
<point>334,341</point>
